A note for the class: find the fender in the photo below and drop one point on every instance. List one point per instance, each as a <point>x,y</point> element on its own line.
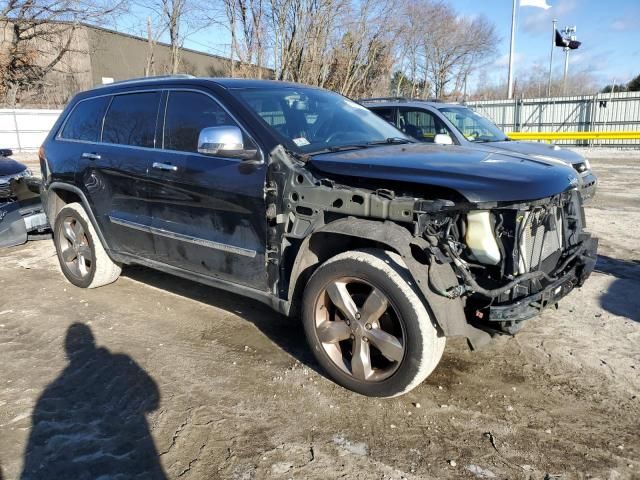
<point>448,313</point>
<point>46,201</point>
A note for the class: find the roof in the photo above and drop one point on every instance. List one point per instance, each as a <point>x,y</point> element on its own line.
<point>403,102</point>
<point>180,78</point>
<point>232,83</point>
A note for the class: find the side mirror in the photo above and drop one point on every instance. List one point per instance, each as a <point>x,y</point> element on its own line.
<point>224,141</point>
<point>442,139</point>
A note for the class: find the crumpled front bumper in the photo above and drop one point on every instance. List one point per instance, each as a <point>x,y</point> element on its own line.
<point>530,306</point>
<point>21,214</point>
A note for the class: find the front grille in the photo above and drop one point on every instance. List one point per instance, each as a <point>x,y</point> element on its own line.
<point>540,238</point>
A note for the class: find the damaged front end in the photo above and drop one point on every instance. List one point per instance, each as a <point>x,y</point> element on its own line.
<point>512,260</point>
<point>482,267</point>
<point>21,214</point>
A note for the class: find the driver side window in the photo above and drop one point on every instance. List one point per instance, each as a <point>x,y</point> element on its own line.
<point>421,124</point>
<point>186,115</point>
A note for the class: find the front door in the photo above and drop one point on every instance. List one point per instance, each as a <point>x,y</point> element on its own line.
<point>209,214</point>
<point>421,124</point>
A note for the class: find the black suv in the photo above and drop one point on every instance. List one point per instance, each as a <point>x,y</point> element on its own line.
<point>307,201</point>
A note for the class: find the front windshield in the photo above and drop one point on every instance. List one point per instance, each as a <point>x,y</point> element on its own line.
<point>473,126</point>
<point>312,120</point>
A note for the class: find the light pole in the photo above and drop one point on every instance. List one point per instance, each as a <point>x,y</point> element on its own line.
<point>553,45</point>
<point>511,50</point>
<point>569,33</point>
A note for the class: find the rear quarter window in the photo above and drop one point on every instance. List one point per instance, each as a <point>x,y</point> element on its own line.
<point>85,120</point>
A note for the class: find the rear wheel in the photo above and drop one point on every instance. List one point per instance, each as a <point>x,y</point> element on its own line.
<point>367,326</point>
<point>83,260</point>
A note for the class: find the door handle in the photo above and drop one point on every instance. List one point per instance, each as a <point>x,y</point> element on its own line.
<point>91,156</point>
<point>167,167</point>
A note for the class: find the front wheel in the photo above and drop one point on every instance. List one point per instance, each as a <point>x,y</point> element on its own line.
<point>367,326</point>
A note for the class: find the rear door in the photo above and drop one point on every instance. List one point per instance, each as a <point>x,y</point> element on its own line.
<point>114,171</point>
<point>209,214</point>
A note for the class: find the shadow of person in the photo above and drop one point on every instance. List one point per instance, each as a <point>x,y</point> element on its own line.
<point>90,422</point>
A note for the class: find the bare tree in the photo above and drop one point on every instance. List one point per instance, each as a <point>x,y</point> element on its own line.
<point>39,36</point>
<point>440,49</point>
<point>453,46</point>
<point>532,83</point>
<point>363,56</point>
<point>246,24</point>
<point>152,40</point>
<point>177,19</point>
<point>172,20</point>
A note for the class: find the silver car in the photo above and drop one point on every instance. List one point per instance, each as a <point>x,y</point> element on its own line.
<point>448,123</point>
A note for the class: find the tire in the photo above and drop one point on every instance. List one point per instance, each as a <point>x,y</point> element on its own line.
<point>374,280</point>
<point>84,263</point>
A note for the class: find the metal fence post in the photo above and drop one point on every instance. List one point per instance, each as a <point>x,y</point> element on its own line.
<point>15,123</point>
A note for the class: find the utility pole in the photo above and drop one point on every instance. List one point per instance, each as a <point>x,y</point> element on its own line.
<point>566,70</point>
<point>511,50</point>
<point>570,34</point>
<point>553,45</point>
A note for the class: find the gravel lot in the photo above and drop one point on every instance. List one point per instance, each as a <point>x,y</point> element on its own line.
<point>185,381</point>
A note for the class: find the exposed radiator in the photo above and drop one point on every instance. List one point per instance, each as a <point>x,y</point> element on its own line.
<point>541,238</point>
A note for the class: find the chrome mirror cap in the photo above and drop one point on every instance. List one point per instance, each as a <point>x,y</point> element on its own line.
<point>443,139</point>
<point>224,141</point>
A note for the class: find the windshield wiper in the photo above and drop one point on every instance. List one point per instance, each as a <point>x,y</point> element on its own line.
<point>339,148</point>
<point>391,141</point>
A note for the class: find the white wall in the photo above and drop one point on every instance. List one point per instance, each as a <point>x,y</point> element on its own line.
<point>24,130</point>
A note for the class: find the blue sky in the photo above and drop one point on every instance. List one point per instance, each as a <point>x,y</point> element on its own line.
<point>609,30</point>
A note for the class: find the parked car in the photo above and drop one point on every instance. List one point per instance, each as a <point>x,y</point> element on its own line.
<point>449,123</point>
<point>304,200</point>
<point>21,214</point>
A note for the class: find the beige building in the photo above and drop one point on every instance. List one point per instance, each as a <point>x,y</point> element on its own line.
<point>99,55</point>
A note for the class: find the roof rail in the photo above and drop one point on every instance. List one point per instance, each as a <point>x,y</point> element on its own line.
<point>384,99</point>
<point>142,79</point>
<point>400,99</point>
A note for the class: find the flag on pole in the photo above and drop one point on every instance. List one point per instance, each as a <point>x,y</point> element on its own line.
<point>535,3</point>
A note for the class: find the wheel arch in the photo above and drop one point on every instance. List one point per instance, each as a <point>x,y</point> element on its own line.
<point>59,194</point>
<point>349,233</point>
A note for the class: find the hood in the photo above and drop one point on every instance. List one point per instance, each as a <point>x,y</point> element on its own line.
<point>478,175</point>
<point>10,167</point>
<point>553,152</point>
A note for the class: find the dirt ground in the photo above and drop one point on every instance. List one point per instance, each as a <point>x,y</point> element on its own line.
<point>185,381</point>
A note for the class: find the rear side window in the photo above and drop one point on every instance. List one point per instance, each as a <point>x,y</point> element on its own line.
<point>187,114</point>
<point>131,119</point>
<point>85,121</point>
<point>386,113</point>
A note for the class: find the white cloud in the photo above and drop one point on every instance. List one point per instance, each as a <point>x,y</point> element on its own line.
<point>536,21</point>
<point>627,23</point>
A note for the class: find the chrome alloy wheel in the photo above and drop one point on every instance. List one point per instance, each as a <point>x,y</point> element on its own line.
<point>359,329</point>
<point>74,248</point>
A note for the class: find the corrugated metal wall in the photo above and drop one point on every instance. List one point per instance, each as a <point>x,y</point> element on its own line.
<point>589,113</point>
<point>24,130</point>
